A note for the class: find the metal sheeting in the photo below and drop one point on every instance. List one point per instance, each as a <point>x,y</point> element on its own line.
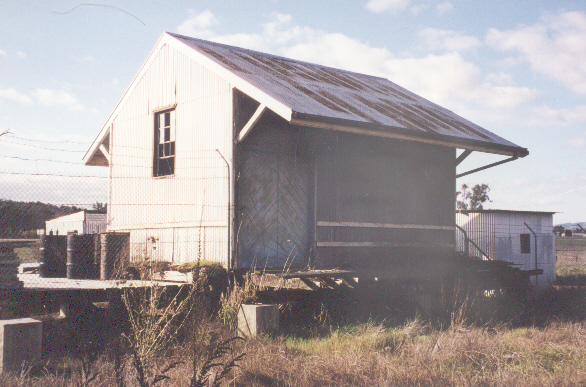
<point>176,217</point>
<point>312,90</point>
<point>497,233</point>
<point>382,203</point>
<point>368,180</point>
<point>82,222</point>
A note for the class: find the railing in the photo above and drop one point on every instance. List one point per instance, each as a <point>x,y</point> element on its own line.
<point>468,242</point>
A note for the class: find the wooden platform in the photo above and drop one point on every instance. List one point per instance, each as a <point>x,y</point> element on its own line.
<point>32,281</point>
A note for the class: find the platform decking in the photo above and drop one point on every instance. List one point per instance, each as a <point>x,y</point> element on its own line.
<point>32,281</point>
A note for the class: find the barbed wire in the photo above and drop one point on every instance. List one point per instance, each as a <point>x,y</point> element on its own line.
<point>42,147</point>
<point>48,141</point>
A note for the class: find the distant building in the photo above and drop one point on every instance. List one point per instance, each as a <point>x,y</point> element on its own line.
<point>524,238</point>
<point>82,222</point>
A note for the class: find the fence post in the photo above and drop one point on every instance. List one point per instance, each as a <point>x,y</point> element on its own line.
<point>535,239</point>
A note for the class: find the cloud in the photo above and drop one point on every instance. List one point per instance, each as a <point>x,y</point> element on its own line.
<point>198,25</point>
<point>21,54</point>
<point>546,116</point>
<point>87,58</point>
<point>3,53</point>
<point>555,47</point>
<point>15,95</point>
<point>447,40</point>
<point>576,143</point>
<point>58,98</point>
<point>113,84</point>
<point>451,81</point>
<point>417,9</point>
<point>378,6</point>
<point>444,7</point>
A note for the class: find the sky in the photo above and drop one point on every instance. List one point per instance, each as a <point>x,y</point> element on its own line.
<point>516,68</point>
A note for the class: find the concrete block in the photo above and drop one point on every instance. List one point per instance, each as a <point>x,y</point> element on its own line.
<point>20,343</point>
<point>256,319</point>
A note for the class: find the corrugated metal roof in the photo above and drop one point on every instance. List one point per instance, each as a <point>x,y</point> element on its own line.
<point>323,93</point>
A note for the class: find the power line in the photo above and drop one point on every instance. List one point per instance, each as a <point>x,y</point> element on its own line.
<point>42,147</point>
<point>53,161</point>
<point>47,141</point>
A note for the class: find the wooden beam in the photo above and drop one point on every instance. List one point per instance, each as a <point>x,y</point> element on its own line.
<point>105,152</point>
<point>322,223</point>
<point>383,244</point>
<point>250,124</point>
<point>462,156</point>
<point>487,166</point>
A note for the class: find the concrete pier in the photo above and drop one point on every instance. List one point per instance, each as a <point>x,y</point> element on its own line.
<point>20,343</point>
<point>254,320</point>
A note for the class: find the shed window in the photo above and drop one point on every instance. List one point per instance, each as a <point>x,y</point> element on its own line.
<point>525,243</point>
<point>164,155</point>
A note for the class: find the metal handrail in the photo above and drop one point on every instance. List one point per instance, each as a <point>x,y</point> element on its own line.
<point>468,241</point>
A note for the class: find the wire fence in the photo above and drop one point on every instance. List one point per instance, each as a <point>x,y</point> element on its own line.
<point>571,253</point>
<point>58,232</point>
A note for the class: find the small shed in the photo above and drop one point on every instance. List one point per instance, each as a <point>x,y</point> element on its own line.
<point>524,238</point>
<point>82,222</point>
<point>259,161</point>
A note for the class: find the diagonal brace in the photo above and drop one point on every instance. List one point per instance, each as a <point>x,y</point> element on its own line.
<point>250,124</point>
<point>487,166</point>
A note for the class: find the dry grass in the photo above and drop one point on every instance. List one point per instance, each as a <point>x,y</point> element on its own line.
<point>545,346</point>
<point>414,354</point>
<point>417,355</point>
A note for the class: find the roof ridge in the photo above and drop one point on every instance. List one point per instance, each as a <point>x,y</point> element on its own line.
<point>274,56</point>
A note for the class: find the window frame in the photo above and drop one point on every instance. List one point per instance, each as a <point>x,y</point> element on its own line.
<point>166,150</point>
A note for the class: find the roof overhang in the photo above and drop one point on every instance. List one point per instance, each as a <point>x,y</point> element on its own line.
<point>371,129</point>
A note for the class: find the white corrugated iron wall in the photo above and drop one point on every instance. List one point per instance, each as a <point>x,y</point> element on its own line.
<point>65,224</point>
<point>94,223</point>
<point>498,234</point>
<point>507,236</point>
<point>479,227</point>
<point>164,214</point>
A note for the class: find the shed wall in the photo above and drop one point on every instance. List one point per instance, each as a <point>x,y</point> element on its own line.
<point>275,197</point>
<point>171,217</point>
<point>80,222</point>
<point>381,201</point>
<point>499,235</point>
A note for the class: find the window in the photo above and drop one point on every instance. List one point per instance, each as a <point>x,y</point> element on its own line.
<point>525,243</point>
<point>164,157</point>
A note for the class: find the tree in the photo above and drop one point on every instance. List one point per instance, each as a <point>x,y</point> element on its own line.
<point>472,198</point>
<point>559,229</point>
<point>98,206</point>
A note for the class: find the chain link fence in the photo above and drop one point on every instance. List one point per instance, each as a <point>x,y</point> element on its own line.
<point>571,260</point>
<point>58,234</point>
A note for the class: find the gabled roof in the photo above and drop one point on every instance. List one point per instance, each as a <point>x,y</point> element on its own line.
<point>318,96</point>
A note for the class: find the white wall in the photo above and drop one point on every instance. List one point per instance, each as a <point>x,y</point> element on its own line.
<point>498,235</point>
<point>172,209</point>
<point>80,222</point>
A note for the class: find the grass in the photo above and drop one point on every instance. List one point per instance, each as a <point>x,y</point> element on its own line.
<point>414,354</point>
<point>28,254</point>
<point>546,348</point>
<point>568,274</point>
